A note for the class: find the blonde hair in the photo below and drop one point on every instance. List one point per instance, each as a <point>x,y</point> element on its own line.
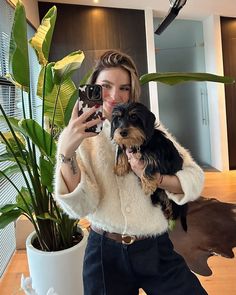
<point>114,59</point>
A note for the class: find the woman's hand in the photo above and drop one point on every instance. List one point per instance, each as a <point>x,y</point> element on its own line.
<point>170,183</point>
<point>75,133</point>
<point>136,164</point>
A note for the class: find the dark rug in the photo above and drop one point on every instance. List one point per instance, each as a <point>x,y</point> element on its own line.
<point>211,231</point>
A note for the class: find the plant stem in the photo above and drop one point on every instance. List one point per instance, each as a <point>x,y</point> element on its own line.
<point>43,98</point>
<point>32,153</point>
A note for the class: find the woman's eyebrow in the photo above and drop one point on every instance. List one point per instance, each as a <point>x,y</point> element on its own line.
<point>125,85</point>
<point>111,83</point>
<point>107,81</point>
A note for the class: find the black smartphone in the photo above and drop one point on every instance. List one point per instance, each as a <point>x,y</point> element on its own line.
<point>89,96</point>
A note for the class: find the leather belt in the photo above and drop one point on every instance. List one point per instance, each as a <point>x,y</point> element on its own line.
<point>119,238</point>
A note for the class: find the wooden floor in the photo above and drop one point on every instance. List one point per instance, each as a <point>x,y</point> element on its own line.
<point>223,280</point>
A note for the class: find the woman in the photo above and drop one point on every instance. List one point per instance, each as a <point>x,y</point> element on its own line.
<point>128,245</point>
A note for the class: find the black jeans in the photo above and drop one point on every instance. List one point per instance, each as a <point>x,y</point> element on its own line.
<point>111,268</point>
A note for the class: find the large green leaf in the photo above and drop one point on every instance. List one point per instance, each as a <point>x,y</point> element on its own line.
<point>65,67</point>
<point>10,170</point>
<point>47,173</point>
<point>86,78</point>
<point>172,78</point>
<point>52,93</point>
<point>12,142</point>
<point>45,80</point>
<point>74,98</point>
<point>41,41</point>
<point>8,217</point>
<point>9,157</point>
<point>13,121</point>
<point>27,200</point>
<point>6,157</point>
<point>18,53</point>
<point>70,106</point>
<point>39,137</point>
<point>7,207</point>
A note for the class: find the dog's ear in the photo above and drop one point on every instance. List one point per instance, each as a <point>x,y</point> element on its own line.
<point>113,126</point>
<point>150,124</point>
<point>114,120</point>
<point>122,165</point>
<point>112,130</point>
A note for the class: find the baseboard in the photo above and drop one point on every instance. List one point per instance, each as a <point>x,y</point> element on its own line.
<point>23,228</point>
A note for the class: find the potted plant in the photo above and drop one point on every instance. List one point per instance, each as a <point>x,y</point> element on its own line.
<point>31,148</point>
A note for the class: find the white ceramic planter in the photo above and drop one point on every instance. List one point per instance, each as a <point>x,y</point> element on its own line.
<point>61,270</point>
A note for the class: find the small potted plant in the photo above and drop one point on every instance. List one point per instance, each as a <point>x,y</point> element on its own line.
<point>31,150</point>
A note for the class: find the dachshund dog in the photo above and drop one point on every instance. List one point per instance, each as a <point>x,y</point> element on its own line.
<point>133,127</point>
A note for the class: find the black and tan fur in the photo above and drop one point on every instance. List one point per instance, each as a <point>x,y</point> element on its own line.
<point>133,127</point>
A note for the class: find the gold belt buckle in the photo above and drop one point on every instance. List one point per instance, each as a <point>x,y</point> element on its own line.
<point>128,240</point>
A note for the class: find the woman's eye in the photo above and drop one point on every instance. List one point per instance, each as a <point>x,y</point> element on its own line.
<point>106,86</point>
<point>126,88</point>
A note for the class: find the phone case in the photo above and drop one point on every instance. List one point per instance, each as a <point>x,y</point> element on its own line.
<point>90,95</point>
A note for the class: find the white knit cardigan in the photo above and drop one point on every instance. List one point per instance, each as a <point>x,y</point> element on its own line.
<point>117,203</point>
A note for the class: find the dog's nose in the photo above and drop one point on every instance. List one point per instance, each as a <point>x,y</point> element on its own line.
<point>124,133</point>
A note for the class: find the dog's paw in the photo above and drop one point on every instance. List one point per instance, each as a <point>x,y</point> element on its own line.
<point>149,185</point>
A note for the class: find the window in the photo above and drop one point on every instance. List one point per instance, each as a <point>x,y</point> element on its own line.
<point>10,98</point>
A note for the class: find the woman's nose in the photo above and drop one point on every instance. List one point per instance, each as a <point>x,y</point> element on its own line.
<point>115,94</point>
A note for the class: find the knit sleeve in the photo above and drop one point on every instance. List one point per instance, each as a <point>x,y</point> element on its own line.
<point>85,197</point>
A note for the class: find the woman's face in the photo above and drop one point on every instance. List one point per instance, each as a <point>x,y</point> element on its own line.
<point>116,88</point>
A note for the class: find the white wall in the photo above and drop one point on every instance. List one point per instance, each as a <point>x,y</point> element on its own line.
<point>32,12</point>
<point>151,60</point>
<point>31,9</point>
<point>216,93</point>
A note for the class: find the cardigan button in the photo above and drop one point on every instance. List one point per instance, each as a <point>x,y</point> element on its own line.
<point>128,209</point>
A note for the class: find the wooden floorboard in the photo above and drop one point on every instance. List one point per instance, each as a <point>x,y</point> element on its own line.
<point>223,280</point>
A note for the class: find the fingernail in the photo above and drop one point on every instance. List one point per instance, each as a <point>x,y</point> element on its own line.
<point>97,106</point>
<point>103,118</point>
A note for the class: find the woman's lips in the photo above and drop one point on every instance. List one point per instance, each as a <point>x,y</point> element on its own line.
<point>112,104</point>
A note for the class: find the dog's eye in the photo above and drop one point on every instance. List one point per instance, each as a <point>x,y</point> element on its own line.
<point>133,117</point>
<point>116,117</point>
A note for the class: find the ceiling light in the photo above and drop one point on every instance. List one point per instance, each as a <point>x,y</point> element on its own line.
<point>175,6</point>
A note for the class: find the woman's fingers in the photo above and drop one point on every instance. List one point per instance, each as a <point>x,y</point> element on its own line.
<point>92,123</point>
<point>83,117</point>
<point>129,153</point>
<point>136,164</point>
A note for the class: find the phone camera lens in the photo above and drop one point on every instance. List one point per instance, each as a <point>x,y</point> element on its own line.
<point>94,92</point>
